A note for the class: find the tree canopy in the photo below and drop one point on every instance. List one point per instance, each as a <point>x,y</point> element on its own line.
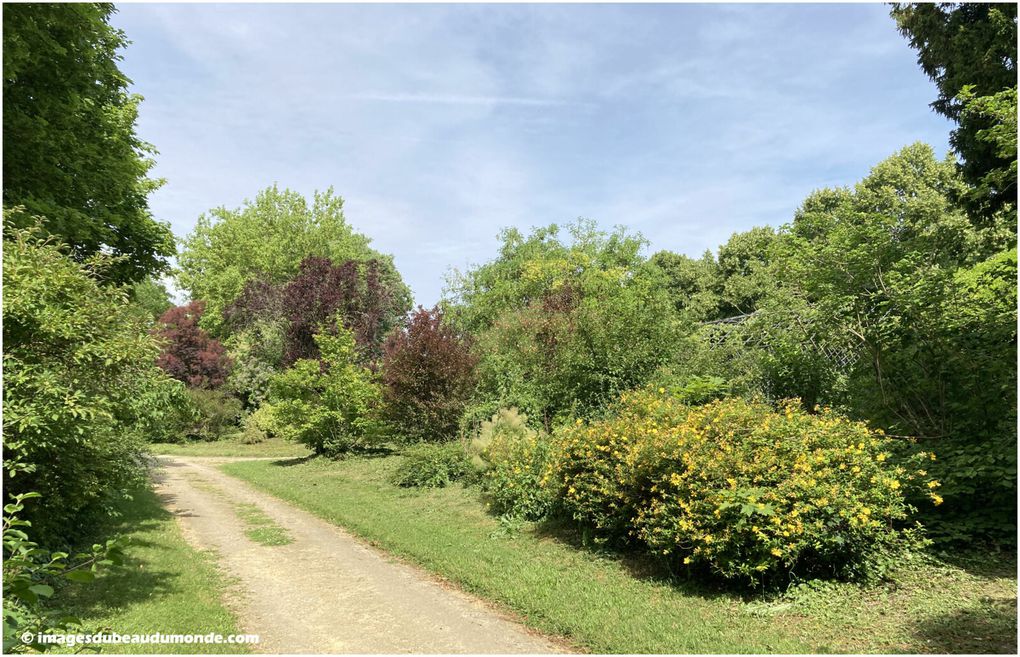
<point>969,50</point>
<point>71,154</point>
<point>267,239</point>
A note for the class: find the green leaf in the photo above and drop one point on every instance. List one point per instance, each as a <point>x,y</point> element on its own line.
<point>82,576</point>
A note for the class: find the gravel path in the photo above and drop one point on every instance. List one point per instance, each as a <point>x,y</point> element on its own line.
<point>326,592</point>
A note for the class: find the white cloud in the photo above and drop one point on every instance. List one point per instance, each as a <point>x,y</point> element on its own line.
<point>441,124</point>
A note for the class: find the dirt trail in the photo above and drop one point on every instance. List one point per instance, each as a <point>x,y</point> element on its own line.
<point>327,592</point>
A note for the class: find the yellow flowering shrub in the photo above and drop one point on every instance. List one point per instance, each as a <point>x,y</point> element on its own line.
<point>513,458</point>
<point>740,488</point>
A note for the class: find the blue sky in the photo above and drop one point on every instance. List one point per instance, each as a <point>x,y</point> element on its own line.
<point>440,124</point>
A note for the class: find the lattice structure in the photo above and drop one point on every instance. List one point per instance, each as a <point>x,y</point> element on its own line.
<point>842,357</point>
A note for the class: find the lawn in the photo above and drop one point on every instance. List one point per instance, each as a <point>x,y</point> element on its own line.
<point>164,585</point>
<point>230,447</point>
<point>604,603</point>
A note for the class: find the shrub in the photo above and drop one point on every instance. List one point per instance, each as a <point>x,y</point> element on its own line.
<point>251,432</point>
<point>741,489</point>
<point>189,354</point>
<point>428,376</point>
<point>77,360</point>
<point>164,412</point>
<point>256,353</point>
<point>355,295</point>
<point>216,414</point>
<point>432,466</point>
<point>691,390</point>
<point>331,407</point>
<point>513,458</point>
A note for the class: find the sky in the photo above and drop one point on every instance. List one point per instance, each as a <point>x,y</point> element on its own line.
<point>441,124</point>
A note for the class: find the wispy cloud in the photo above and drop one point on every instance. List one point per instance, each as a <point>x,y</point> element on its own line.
<point>459,99</point>
<point>440,124</point>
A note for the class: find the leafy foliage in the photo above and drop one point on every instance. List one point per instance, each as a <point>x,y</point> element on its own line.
<point>428,376</point>
<point>267,239</point>
<point>70,150</point>
<point>165,412</point>
<point>78,363</point>
<point>214,415</point>
<point>868,315</point>
<point>743,263</point>
<point>994,192</point>
<point>695,286</point>
<point>739,488</point>
<point>256,328</point>
<point>189,354</point>
<point>355,294</point>
<point>331,406</point>
<point>513,459</point>
<point>564,329</point>
<point>432,466</point>
<point>30,573</point>
<point>969,50</point>
<point>152,297</point>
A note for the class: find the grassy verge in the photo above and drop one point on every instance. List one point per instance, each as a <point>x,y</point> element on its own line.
<point>231,447</point>
<point>607,604</point>
<point>164,586</point>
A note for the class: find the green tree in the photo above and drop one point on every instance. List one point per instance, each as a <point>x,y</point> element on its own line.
<point>152,297</point>
<point>565,327</point>
<point>994,186</point>
<point>969,50</point>
<point>694,285</point>
<point>267,239</point>
<point>70,150</point>
<point>743,262</point>
<point>528,267</point>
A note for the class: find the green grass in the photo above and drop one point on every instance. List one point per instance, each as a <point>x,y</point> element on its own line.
<point>605,603</point>
<point>164,585</point>
<point>231,447</point>
<point>260,527</point>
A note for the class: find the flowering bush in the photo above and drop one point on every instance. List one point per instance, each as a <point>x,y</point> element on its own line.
<point>514,459</point>
<point>594,469</point>
<point>740,488</point>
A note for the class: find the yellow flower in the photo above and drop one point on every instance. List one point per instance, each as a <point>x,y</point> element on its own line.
<point>937,499</point>
<point>880,457</point>
<point>687,560</point>
<point>777,552</point>
<point>933,484</point>
<point>894,484</point>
